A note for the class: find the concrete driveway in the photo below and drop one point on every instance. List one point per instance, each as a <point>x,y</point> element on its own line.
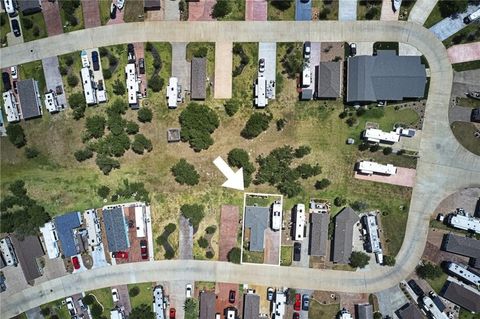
<point>180,66</point>
<point>34,313</point>
<point>459,113</point>
<point>123,298</point>
<point>421,10</point>
<point>53,78</point>
<point>185,240</point>
<point>11,38</point>
<point>256,10</point>
<point>464,52</point>
<point>176,295</point>
<point>51,14</point>
<point>387,13</point>
<point>303,10</point>
<point>406,49</point>
<point>451,25</point>
<point>91,13</point>
<point>347,10</point>
<point>171,10</point>
<point>390,300</point>
<point>465,81</point>
<point>223,70</point>
<point>98,256</point>
<point>364,48</point>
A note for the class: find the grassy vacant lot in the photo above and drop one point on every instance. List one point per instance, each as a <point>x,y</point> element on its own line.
<point>280,15</point>
<point>4,28</point>
<point>363,9</point>
<point>252,257</point>
<point>242,85</point>
<point>286,254</point>
<point>57,308</point>
<point>434,17</point>
<point>33,70</point>
<point>464,131</point>
<point>144,297</point>
<point>438,283</point>
<point>469,34</point>
<point>472,65</point>
<point>104,11</point>
<point>74,69</point>
<point>133,11</point>
<point>317,310</point>
<point>78,14</point>
<point>38,25</point>
<point>104,298</point>
<point>328,8</point>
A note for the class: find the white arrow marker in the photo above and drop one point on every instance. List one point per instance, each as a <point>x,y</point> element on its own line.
<point>234,180</point>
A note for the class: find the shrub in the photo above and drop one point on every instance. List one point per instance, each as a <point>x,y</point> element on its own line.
<point>185,173</point>
<point>169,254</point>
<point>200,52</point>
<point>131,127</point>
<point>221,9</point>
<point>339,201</point>
<point>202,242</point>
<point>359,205</point>
<point>389,260</point>
<point>118,87</point>
<point>281,124</point>
<point>281,4</point>
<point>371,13</point>
<point>96,310</point>
<point>88,300</point>
<point>256,124</point>
<point>374,148</point>
<point>72,80</point>
<point>116,124</point>
<point>324,13</point>
<point>16,135</point>
<point>45,311</point>
<point>107,74</point>
<point>359,259</point>
<point>191,308</point>
<point>170,228</point>
<point>302,151</point>
<point>156,83</point>
<point>76,100</point>
<point>197,123</point>
<point>387,151</point>
<point>363,147</point>
<point>232,106</point>
<point>118,107</point>
<point>429,270</point>
<point>351,121</point>
<point>27,23</point>
<point>194,213</point>
<point>63,70</point>
<point>211,229</point>
<point>377,315</point>
<point>106,163</point>
<point>233,255</point>
<point>69,60</point>
<point>134,291</point>
<point>103,51</point>
<point>141,143</point>
<point>293,61</point>
<point>112,60</point>
<point>83,155</point>
<point>103,191</point>
<point>145,115</point>
<point>209,254</point>
<point>95,126</point>
<point>306,170</point>
<point>449,8</point>
<point>322,184</point>
<point>31,152</point>
<point>239,158</point>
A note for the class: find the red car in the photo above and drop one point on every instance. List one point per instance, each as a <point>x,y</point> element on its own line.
<point>172,313</point>
<point>76,263</point>
<point>120,255</point>
<point>298,301</point>
<point>296,315</point>
<point>143,249</point>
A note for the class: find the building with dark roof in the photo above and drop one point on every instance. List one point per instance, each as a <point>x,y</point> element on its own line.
<point>30,6</point>
<point>116,228</point>
<point>409,311</point>
<point>27,251</point>
<point>477,209</point>
<point>475,116</point>
<point>207,305</point>
<point>328,80</point>
<point>29,97</point>
<point>364,311</point>
<point>151,5</point>
<point>65,226</point>
<point>198,78</point>
<point>318,234</point>
<point>343,239</point>
<point>385,77</point>
<point>256,221</point>
<point>251,306</point>
<point>465,246</point>
<point>465,298</point>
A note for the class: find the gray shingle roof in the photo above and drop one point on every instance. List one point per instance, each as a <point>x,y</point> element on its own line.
<point>461,296</point>
<point>116,228</point>
<point>29,99</point>
<point>385,76</point>
<point>342,243</point>
<point>460,245</point>
<point>27,251</point>
<point>251,306</point>
<point>207,305</point>
<point>198,79</point>
<point>256,218</point>
<point>409,311</point>
<point>328,80</point>
<point>365,311</point>
<point>29,6</point>
<point>151,4</point>
<point>64,226</point>
<point>318,234</point>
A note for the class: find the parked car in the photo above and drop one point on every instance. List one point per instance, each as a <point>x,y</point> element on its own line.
<point>298,301</point>
<point>143,249</point>
<point>82,305</point>
<point>188,290</point>
<point>113,11</point>
<point>172,313</point>
<point>6,81</point>
<point>297,251</point>
<point>76,263</point>
<point>96,65</point>
<point>353,49</point>
<point>305,302</point>
<point>296,315</point>
<point>120,255</point>
<point>261,65</point>
<point>70,306</point>
<point>415,287</point>
<point>120,4</point>
<point>141,66</point>
<point>231,296</point>
<point>115,296</point>
<point>13,72</point>
<point>307,49</point>
<point>270,293</point>
<point>16,28</point>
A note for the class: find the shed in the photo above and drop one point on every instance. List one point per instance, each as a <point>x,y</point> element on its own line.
<point>318,234</point>
<point>30,6</point>
<point>328,80</point>
<point>306,95</point>
<point>365,311</point>
<point>29,97</point>
<point>198,79</point>
<point>173,135</point>
<point>28,250</point>
<point>256,219</point>
<point>207,305</point>
<point>65,225</point>
<point>343,239</point>
<point>116,228</point>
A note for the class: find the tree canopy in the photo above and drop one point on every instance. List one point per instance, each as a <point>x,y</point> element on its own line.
<point>256,124</point>
<point>198,122</point>
<point>239,158</point>
<point>429,270</point>
<point>194,213</point>
<point>234,255</point>
<point>185,173</point>
<point>359,259</point>
<point>142,311</point>
<point>221,9</point>
<point>16,135</point>
<point>449,8</point>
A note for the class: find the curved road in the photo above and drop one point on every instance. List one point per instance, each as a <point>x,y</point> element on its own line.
<point>444,166</point>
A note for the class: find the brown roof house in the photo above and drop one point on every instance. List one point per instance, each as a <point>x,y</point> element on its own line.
<point>409,311</point>
<point>28,251</point>
<point>343,239</point>
<point>198,81</point>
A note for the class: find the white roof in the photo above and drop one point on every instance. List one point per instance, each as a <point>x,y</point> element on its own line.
<point>260,92</point>
<point>475,15</point>
<point>93,227</point>
<point>431,307</point>
<point>132,83</point>
<point>10,106</point>
<point>373,234</point>
<point>368,167</point>
<point>306,76</point>
<point>50,240</point>
<point>279,305</point>
<point>84,57</point>
<point>465,222</point>
<point>172,92</point>
<point>9,7</point>
<point>88,90</point>
<point>116,314</point>
<point>158,303</point>
<point>51,102</point>
<point>464,273</point>
<point>101,96</point>
<point>276,216</point>
<point>140,221</point>
<point>299,221</point>
<point>376,135</point>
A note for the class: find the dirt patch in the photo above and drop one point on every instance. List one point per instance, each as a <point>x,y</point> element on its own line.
<point>228,230</point>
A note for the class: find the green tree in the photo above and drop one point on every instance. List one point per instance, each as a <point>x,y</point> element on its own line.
<point>72,80</point>
<point>389,260</point>
<point>322,184</point>
<point>209,254</point>
<point>359,259</point>
<point>281,124</point>
<point>83,155</point>
<point>377,315</point>
<point>45,311</point>
<point>27,23</point>
<point>202,242</point>
<point>95,126</point>
<point>221,9</point>
<point>239,158</point>
<point>211,229</point>
<point>197,123</point>
<point>429,271</point>
<point>374,148</point>
<point>31,152</point>
<point>118,107</point>
<point>302,151</point>
<point>16,135</point>
<point>339,201</point>
<point>256,124</point>
<point>96,310</point>
<point>107,74</point>
<point>306,170</point>
<point>359,205</point>
<point>281,4</point>
<point>351,121</point>
<point>232,106</point>
<point>145,115</point>
<point>194,213</point>
<point>142,311</point>
<point>132,127</point>
<point>387,151</point>
<point>118,87</point>
<point>106,163</point>
<point>191,308</point>
<point>134,291</point>
<point>156,83</point>
<point>141,144</point>
<point>292,62</point>
<point>170,228</point>
<point>185,173</point>
<point>103,191</point>
<point>363,147</point>
<point>234,255</point>
<point>450,8</point>
<point>76,100</point>
<point>88,300</point>
<point>201,52</point>
<point>69,60</point>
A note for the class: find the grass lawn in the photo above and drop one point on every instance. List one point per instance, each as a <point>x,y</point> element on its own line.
<point>4,28</point>
<point>252,257</point>
<point>317,310</point>
<point>144,297</point>
<point>325,8</point>
<point>237,13</point>
<point>405,9</point>
<point>38,25</point>
<point>104,298</point>
<point>33,70</point>
<point>165,52</point>
<point>385,46</point>
<point>465,314</point>
<point>260,201</point>
<point>205,285</point>
<point>133,11</point>
<point>469,34</point>
<point>286,254</point>
<point>73,69</point>
<point>78,15</point>
<point>464,131</point>
<point>193,47</point>
<point>242,84</point>
<point>57,308</point>
<point>434,17</point>
<point>437,283</point>
<point>472,65</point>
<point>104,11</point>
<point>468,102</point>
<point>375,10</point>
<point>275,14</point>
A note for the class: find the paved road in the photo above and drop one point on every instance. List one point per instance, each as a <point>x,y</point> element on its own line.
<point>421,10</point>
<point>444,166</point>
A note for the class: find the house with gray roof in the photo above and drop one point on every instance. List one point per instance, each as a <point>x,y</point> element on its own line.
<point>385,77</point>
<point>251,306</point>
<point>256,221</point>
<point>364,311</point>
<point>30,6</point>
<point>466,298</point>
<point>65,226</point>
<point>328,80</point>
<point>343,238</point>
<point>28,250</point>
<point>318,234</point>
<point>29,98</point>
<point>198,79</point>
<point>409,311</point>
<point>207,305</point>
<point>116,227</point>
<point>151,5</point>
<point>465,246</point>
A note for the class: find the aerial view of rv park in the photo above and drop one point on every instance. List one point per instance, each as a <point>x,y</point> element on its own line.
<point>250,159</point>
